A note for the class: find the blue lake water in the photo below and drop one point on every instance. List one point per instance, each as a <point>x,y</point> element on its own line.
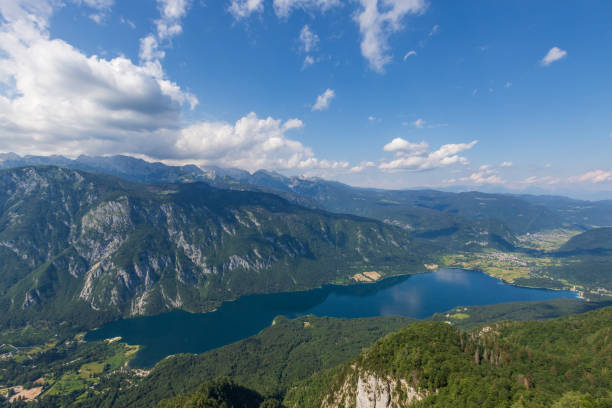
<point>416,296</point>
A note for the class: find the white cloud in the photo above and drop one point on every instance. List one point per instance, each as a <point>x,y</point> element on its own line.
<point>405,147</point>
<point>55,99</point>
<point>250,143</point>
<point>548,180</point>
<point>97,18</point>
<point>324,100</point>
<point>419,123</point>
<point>149,49</point>
<point>283,8</point>
<point>409,54</point>
<point>508,84</point>
<point>371,118</point>
<point>362,166</point>
<point>168,26</point>
<point>173,9</point>
<point>595,176</point>
<point>506,164</point>
<point>128,22</point>
<point>483,178</point>
<point>244,8</point>
<point>486,174</point>
<point>434,30</point>
<point>377,21</point>
<point>554,54</point>
<point>415,156</point>
<point>99,4</point>
<point>102,8</point>
<point>308,39</point>
<point>308,61</point>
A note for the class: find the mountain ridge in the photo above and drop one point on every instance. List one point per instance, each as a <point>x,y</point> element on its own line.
<point>72,240</point>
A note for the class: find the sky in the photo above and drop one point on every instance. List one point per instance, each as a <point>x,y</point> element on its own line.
<point>487,95</point>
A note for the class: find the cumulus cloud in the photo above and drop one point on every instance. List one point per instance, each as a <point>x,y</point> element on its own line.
<point>486,174</point>
<point>55,98</point>
<point>595,176</point>
<point>308,39</point>
<point>554,54</point>
<point>362,166</point>
<point>244,8</point>
<point>324,100</point>
<point>483,178</point>
<point>171,13</point>
<point>250,143</point>
<point>417,157</point>
<point>283,8</point>
<point>149,49</point>
<point>377,20</point>
<point>405,147</point>
<point>167,26</point>
<point>506,164</point>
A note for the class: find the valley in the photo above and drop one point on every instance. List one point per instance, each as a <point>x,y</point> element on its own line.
<point>192,256</point>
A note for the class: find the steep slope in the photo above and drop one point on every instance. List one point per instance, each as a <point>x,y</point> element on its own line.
<point>269,362</point>
<point>526,364</point>
<point>81,246</point>
<point>597,240</point>
<point>584,213</point>
<point>587,259</point>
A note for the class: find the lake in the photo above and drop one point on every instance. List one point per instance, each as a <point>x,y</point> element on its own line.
<point>416,296</point>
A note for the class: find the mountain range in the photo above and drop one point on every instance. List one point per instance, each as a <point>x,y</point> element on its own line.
<point>88,240</point>
<point>73,241</point>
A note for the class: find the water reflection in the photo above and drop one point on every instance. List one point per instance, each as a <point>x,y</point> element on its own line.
<point>455,276</point>
<point>415,296</point>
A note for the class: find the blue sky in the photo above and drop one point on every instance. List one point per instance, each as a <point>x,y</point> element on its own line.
<point>490,95</point>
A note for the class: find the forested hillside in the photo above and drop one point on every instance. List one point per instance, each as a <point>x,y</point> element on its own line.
<point>561,362</point>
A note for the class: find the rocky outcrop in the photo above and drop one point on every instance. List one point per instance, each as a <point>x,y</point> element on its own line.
<point>370,390</point>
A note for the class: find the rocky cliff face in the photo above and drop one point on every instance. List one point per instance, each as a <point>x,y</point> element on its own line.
<point>69,237</point>
<point>370,390</point>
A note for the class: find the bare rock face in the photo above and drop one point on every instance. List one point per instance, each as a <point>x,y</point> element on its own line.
<point>374,391</point>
